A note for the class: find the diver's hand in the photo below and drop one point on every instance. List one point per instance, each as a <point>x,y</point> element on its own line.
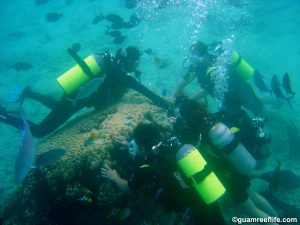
<point>122,142</point>
<point>109,173</point>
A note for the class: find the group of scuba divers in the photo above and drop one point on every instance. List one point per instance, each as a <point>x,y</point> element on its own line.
<point>208,154</point>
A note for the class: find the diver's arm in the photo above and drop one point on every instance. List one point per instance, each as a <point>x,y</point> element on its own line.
<point>112,175</point>
<point>180,87</point>
<point>135,85</point>
<point>187,79</point>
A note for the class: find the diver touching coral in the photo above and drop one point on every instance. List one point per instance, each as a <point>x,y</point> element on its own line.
<point>204,64</point>
<point>163,167</point>
<point>96,81</point>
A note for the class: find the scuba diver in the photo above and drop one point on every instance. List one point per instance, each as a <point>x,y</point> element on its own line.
<point>224,149</point>
<point>193,119</point>
<point>95,82</point>
<point>202,66</point>
<point>158,168</point>
<point>182,172</point>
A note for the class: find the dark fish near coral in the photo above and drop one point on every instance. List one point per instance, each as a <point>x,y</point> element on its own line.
<point>41,2</point>
<point>49,157</point>
<point>114,33</point>
<point>21,66</point>
<point>286,84</point>
<point>98,19</point>
<point>25,153</point>
<point>275,85</point>
<point>259,82</point>
<point>119,40</point>
<point>286,179</point>
<point>76,47</point>
<point>53,16</point>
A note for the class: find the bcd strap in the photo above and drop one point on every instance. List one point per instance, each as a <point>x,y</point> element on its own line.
<point>231,146</point>
<point>81,63</point>
<point>238,61</point>
<point>201,175</point>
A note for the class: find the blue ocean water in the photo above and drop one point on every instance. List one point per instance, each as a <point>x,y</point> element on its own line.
<point>265,32</point>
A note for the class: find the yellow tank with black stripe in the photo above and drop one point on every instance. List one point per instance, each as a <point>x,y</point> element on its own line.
<point>75,77</point>
<point>241,67</point>
<point>195,167</point>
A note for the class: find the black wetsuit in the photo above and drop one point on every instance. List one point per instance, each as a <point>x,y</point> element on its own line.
<point>160,172</point>
<point>240,92</point>
<point>115,85</point>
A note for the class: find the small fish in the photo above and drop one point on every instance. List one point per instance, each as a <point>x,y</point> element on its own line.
<point>76,47</point>
<point>114,18</point>
<point>25,153</point>
<point>98,19</point>
<point>86,191</point>
<point>148,51</point>
<point>286,84</point>
<point>41,2</point>
<point>85,199</point>
<point>114,33</point>
<point>21,66</point>
<point>87,89</point>
<point>119,40</point>
<point>133,22</point>
<point>164,91</point>
<point>259,82</point>
<point>53,16</point>
<point>49,157</point>
<point>160,63</point>
<point>275,85</point>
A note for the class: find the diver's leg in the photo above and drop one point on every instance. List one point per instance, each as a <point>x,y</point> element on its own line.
<point>262,203</point>
<point>60,114</point>
<point>249,208</point>
<point>133,84</point>
<point>15,121</point>
<point>45,100</point>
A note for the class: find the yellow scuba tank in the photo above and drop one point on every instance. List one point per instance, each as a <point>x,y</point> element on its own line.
<point>229,146</point>
<point>198,171</point>
<point>241,67</point>
<point>75,77</point>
